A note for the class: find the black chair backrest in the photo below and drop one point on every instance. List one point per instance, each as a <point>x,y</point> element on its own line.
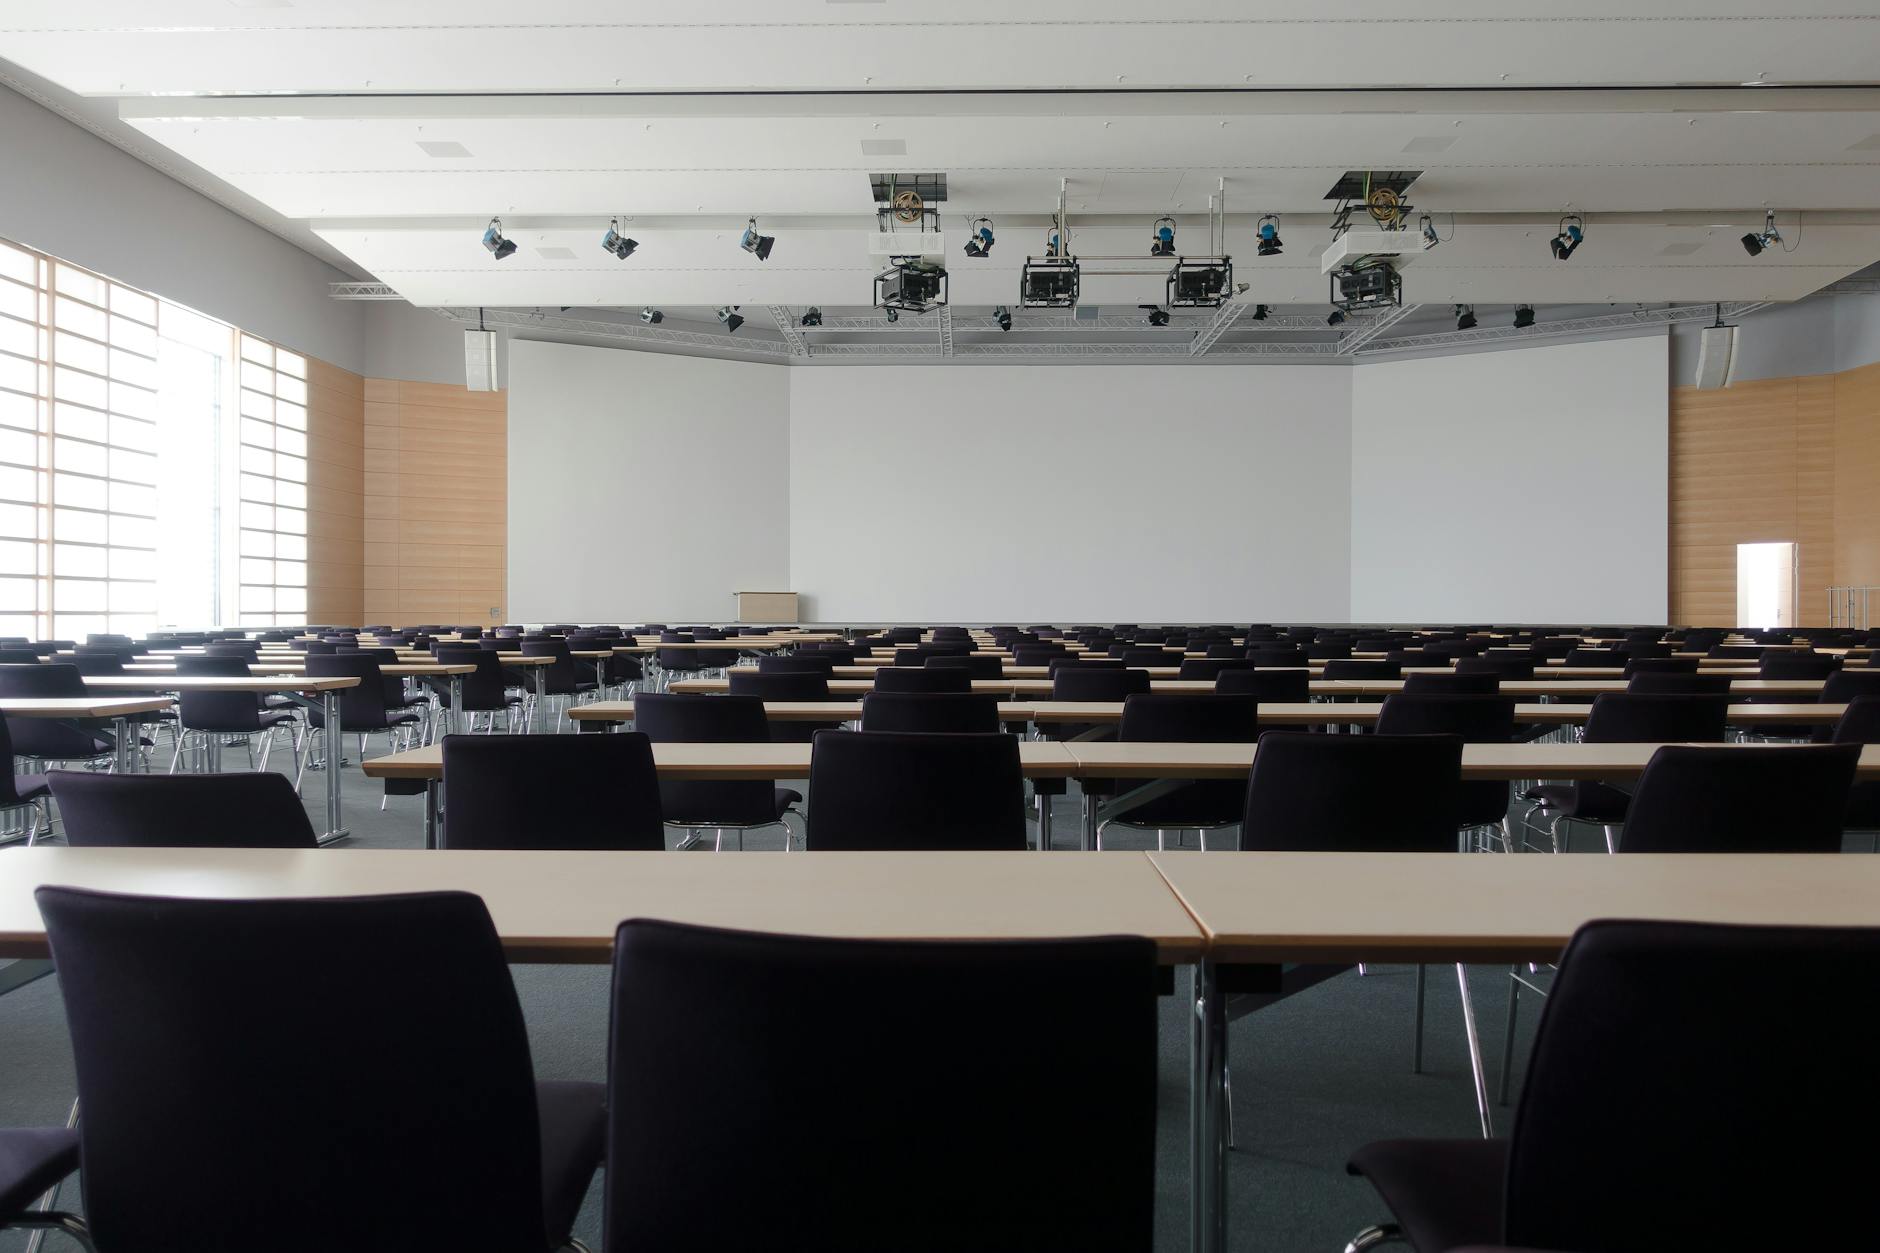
<point>932,712</point>
<point>1098,683</point>
<point>1781,663</point>
<point>551,792</point>
<point>245,809</point>
<point>798,663</point>
<point>921,679</point>
<point>770,1025</point>
<point>1674,683</point>
<point>781,684</point>
<point>1211,668</point>
<point>1592,657</point>
<point>1860,722</point>
<point>1782,799</point>
<point>1453,683</point>
<point>1660,665</point>
<point>1359,668</point>
<point>1189,718</point>
<point>1476,718</point>
<point>1649,1015</point>
<point>46,738</point>
<point>361,706</point>
<point>1267,686</point>
<point>214,1019</point>
<point>1846,685</point>
<point>1645,718</point>
<point>18,657</point>
<point>486,689</point>
<point>1500,667</point>
<point>977,667</point>
<point>97,663</point>
<point>1353,793</point>
<point>906,790</point>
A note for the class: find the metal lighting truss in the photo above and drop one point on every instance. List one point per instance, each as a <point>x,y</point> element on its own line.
<point>1571,326</point>
<point>793,338</point>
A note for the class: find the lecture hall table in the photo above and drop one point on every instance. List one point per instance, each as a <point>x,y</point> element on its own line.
<point>1266,908</point>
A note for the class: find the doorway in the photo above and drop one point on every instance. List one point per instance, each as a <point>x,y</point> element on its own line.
<point>1766,586</point>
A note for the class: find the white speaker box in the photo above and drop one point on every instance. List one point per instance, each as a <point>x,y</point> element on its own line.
<point>479,360</point>
<point>1716,357</point>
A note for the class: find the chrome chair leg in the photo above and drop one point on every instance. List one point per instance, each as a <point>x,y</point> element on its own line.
<point>1475,1052</point>
<point>1507,1039</point>
<point>1612,844</point>
<point>1372,1237</point>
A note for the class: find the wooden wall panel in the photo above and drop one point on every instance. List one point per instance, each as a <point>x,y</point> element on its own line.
<point>335,494</point>
<point>1792,459</point>
<point>434,517</point>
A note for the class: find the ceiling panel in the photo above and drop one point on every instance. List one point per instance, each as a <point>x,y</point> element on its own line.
<point>165,46</point>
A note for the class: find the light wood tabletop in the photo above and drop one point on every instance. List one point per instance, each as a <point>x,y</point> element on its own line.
<point>1038,760</point>
<point>777,710</point>
<point>1609,762</point>
<point>1365,713</point>
<point>565,906</point>
<point>1473,907</point>
<point>213,683</point>
<point>81,706</point>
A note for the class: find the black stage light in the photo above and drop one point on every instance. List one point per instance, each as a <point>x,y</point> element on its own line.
<point>1335,318</point>
<point>1157,315</point>
<point>613,241</point>
<point>1162,243</point>
<point>979,237</point>
<point>729,316</point>
<point>757,245</point>
<point>1465,317</point>
<point>1523,317</point>
<point>1571,232</point>
<point>812,316</point>
<point>651,316</point>
<point>1003,316</point>
<point>1268,231</point>
<point>494,241</point>
<point>1259,313</point>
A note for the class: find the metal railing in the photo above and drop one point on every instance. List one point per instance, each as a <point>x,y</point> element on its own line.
<point>1848,606</point>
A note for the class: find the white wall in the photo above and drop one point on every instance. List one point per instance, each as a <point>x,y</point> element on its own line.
<point>1101,492</point>
<point>1520,486</point>
<point>643,487</point>
<point>66,192</point>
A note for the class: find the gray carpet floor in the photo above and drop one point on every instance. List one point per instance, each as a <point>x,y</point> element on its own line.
<point>1313,1077</point>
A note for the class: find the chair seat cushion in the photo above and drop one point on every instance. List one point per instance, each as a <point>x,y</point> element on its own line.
<point>32,1159</point>
<point>1443,1192</point>
<point>572,1117</point>
<point>279,718</point>
<point>1588,802</point>
<point>400,717</point>
<point>30,787</point>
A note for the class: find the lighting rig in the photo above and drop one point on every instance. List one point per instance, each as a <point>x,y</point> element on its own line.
<point>1365,256</point>
<point>907,216</point>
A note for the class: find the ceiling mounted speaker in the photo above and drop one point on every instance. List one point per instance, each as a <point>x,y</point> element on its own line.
<point>479,360</point>
<point>1716,357</point>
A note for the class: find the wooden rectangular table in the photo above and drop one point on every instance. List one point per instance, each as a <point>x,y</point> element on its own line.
<point>1434,907</point>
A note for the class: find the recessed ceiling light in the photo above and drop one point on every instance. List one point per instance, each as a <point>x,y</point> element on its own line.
<point>1430,143</point>
<point>555,254</point>
<point>1869,144</point>
<point>1683,248</point>
<point>443,148</point>
<point>884,147</point>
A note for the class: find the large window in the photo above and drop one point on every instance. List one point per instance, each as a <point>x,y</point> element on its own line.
<point>142,447</point>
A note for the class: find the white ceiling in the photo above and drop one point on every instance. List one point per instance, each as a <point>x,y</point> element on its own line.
<point>1631,113</point>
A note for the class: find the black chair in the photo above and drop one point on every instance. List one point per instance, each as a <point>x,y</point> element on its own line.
<point>1660,665</point>
<point>47,739</point>
<point>248,809</point>
<point>912,791</point>
<point>1212,668</point>
<point>1784,663</point>
<point>1380,793</point>
<point>798,1077</point>
<point>1650,1016</point>
<point>486,691</point>
<point>1268,686</point>
<point>921,679</point>
<point>720,805</point>
<point>931,712</point>
<point>1478,720</point>
<point>362,708</point>
<point>786,685</point>
<point>1677,683</point>
<point>1500,667</point>
<point>1587,658</point>
<point>798,663</point>
<point>1860,724</point>
<point>33,1161</point>
<point>551,792</point>
<point>1452,683</point>
<point>977,667</point>
<point>1741,799</point>
<point>1358,668</point>
<point>1188,718</point>
<point>211,717</point>
<point>1623,718</point>
<point>561,681</point>
<point>202,1031</point>
<point>21,792</point>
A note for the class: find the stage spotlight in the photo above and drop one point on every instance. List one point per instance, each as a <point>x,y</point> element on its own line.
<point>1158,316</point>
<point>1523,317</point>
<point>494,241</point>
<point>651,316</point>
<point>757,245</point>
<point>1259,313</point>
<point>894,315</point>
<point>1268,232</point>
<point>613,241</point>
<point>812,316</point>
<point>979,237</point>
<point>1465,317</point>
<point>728,314</point>
<point>1335,318</point>
<point>1571,232</point>
<point>1162,243</point>
<point>1003,316</point>
<point>1754,244</point>
<point>1430,237</point>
